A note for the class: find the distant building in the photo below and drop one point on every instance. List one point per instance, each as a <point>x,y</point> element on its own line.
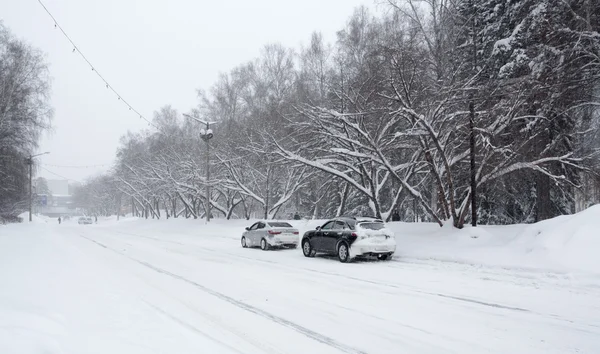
<point>58,187</point>
<point>59,201</point>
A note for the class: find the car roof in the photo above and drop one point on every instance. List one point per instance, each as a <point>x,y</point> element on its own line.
<point>266,222</point>
<point>352,220</point>
<point>348,220</point>
<point>345,218</point>
<point>369,220</point>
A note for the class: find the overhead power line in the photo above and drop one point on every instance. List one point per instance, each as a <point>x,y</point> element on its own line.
<point>95,70</point>
<point>76,166</point>
<point>57,175</point>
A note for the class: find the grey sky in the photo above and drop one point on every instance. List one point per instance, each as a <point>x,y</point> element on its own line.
<point>154,53</point>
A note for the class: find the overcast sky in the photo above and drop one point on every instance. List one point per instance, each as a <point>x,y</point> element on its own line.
<point>154,53</point>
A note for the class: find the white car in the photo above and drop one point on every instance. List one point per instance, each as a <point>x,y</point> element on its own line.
<point>269,234</point>
<point>85,220</point>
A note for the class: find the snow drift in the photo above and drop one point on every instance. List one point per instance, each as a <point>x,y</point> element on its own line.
<point>563,244</point>
<point>572,241</point>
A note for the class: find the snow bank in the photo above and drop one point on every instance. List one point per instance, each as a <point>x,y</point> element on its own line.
<point>34,218</point>
<point>572,241</point>
<point>563,244</point>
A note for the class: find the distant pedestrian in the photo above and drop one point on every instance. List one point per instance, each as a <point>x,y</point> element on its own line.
<point>59,220</point>
<point>96,219</point>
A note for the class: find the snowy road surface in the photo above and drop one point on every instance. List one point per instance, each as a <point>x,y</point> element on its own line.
<point>136,287</point>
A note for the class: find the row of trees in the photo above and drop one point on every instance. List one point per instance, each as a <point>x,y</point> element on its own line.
<point>410,111</point>
<point>24,114</point>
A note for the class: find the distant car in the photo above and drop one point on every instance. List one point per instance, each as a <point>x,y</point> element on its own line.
<point>269,234</point>
<point>85,220</point>
<point>349,238</point>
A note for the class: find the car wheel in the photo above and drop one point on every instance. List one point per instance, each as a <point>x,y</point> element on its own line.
<point>244,242</point>
<point>264,245</point>
<point>382,257</point>
<point>307,249</point>
<point>343,254</point>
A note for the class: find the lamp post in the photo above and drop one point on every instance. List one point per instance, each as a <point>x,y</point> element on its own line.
<point>29,161</point>
<point>205,134</point>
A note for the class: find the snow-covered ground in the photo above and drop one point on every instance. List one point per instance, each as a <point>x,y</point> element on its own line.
<point>180,286</point>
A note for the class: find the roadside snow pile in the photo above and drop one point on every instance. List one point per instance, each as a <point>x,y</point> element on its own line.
<point>34,218</point>
<point>572,241</point>
<point>563,244</point>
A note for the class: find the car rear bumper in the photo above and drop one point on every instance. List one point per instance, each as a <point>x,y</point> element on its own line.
<point>368,248</point>
<point>284,240</point>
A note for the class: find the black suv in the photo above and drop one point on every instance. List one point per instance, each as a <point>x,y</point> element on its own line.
<point>337,237</point>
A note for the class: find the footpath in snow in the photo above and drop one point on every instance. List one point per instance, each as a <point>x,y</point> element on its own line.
<point>180,286</point>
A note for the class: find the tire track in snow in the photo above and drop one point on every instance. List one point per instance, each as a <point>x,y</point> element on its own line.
<point>403,287</point>
<point>192,328</point>
<point>406,289</point>
<point>216,321</point>
<point>282,321</point>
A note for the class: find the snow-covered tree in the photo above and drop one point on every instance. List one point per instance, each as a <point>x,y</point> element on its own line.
<point>24,114</point>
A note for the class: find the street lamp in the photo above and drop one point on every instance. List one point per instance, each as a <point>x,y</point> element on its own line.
<point>205,134</point>
<point>29,161</point>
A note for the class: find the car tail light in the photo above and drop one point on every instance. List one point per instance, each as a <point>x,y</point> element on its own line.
<point>354,234</point>
<point>271,232</point>
<point>296,233</point>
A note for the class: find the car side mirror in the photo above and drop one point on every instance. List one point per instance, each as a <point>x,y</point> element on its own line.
<point>318,228</point>
<point>247,229</point>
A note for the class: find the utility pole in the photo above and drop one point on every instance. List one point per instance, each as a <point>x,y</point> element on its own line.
<point>207,208</point>
<point>472,130</point>
<point>206,134</point>
<point>29,161</point>
<point>473,170</point>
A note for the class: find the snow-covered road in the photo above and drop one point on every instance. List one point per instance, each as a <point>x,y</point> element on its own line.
<point>136,288</point>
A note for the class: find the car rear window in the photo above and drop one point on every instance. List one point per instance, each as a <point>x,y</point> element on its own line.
<point>279,224</point>
<point>372,225</point>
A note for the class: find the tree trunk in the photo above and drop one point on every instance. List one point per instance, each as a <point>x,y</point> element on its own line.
<point>267,193</point>
<point>343,198</point>
<point>543,203</point>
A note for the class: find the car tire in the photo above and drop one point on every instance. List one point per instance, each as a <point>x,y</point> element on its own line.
<point>264,245</point>
<point>244,244</point>
<point>307,249</point>
<point>343,252</point>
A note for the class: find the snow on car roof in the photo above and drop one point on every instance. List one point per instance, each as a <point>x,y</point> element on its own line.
<point>369,220</point>
<point>279,224</point>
